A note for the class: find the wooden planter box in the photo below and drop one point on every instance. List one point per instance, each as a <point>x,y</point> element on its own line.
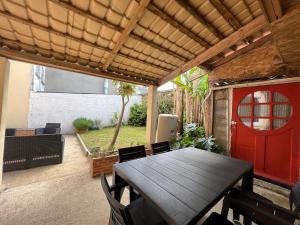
<point>105,164</point>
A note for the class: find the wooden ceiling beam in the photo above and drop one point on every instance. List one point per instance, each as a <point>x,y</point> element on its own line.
<point>135,17</point>
<point>169,19</point>
<point>272,9</point>
<point>245,31</point>
<point>37,59</point>
<point>19,51</point>
<point>227,15</point>
<point>81,12</point>
<point>8,16</point>
<point>244,50</point>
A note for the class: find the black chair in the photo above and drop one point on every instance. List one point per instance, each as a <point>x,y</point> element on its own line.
<point>295,198</point>
<point>160,147</point>
<point>138,212</point>
<point>255,209</point>
<point>52,125</point>
<point>10,132</point>
<point>130,153</point>
<point>50,128</point>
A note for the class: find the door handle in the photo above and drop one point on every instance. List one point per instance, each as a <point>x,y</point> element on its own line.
<point>233,123</point>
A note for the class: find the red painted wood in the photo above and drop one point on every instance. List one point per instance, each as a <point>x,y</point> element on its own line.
<point>274,153</point>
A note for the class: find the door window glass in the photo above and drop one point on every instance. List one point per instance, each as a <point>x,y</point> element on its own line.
<point>264,110</point>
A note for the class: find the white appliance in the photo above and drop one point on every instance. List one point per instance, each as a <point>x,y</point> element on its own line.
<point>166,127</point>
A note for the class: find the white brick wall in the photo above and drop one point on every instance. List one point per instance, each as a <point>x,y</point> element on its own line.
<point>64,108</point>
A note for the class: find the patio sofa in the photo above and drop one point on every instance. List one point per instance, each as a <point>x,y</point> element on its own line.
<point>23,152</point>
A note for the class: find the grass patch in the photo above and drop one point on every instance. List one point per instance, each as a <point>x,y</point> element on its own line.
<point>128,136</point>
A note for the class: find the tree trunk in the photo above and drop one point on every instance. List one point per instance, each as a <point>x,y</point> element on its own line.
<point>114,139</point>
<point>179,109</point>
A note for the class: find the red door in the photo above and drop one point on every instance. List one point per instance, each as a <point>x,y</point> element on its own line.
<point>266,130</point>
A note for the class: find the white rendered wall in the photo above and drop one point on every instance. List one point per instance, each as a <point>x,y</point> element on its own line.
<point>64,108</point>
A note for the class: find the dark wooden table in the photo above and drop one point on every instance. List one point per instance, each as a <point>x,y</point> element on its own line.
<point>184,184</point>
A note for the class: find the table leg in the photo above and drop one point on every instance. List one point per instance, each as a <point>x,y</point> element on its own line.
<point>116,180</point>
<point>247,182</point>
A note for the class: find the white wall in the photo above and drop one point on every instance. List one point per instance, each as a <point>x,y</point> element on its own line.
<point>64,108</point>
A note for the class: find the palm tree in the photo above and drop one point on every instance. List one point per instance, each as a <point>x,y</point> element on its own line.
<point>125,90</point>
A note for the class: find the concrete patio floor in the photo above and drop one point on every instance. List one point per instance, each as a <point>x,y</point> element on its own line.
<point>65,194</point>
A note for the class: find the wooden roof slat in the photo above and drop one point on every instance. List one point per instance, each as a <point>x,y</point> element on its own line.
<point>169,19</point>
<point>227,15</point>
<point>136,15</point>
<point>158,47</point>
<point>245,31</point>
<point>188,7</point>
<point>7,15</point>
<point>116,28</point>
<point>248,8</point>
<point>81,12</point>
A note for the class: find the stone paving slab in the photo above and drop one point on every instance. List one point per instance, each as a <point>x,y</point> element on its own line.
<point>65,194</point>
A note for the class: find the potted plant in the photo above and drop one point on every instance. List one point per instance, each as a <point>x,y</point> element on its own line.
<point>82,125</point>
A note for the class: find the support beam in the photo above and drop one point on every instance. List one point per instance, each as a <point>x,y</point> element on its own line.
<point>164,16</point>
<point>135,17</point>
<point>4,75</point>
<point>71,66</point>
<point>244,50</point>
<point>252,27</point>
<point>272,9</point>
<point>151,115</point>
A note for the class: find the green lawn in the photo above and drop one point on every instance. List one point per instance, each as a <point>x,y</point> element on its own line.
<point>128,136</point>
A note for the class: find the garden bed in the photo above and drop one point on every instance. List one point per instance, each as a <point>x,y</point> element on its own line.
<point>128,136</point>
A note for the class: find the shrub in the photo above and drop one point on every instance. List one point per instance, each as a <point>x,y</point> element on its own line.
<point>82,123</point>
<point>194,136</point>
<point>165,106</point>
<point>138,115</point>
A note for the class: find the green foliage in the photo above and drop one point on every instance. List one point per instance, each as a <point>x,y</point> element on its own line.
<point>165,106</point>
<point>194,136</point>
<point>83,123</point>
<point>184,81</point>
<point>124,89</point>
<point>138,115</point>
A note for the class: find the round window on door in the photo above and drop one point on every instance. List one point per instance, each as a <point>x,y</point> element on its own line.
<point>265,110</point>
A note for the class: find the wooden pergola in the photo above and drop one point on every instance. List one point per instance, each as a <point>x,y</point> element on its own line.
<point>147,42</point>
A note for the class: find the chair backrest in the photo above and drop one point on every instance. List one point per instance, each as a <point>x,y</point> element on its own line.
<point>52,125</point>
<point>117,209</point>
<point>10,132</point>
<point>256,209</point>
<point>130,153</point>
<point>295,197</point>
<point>160,147</point>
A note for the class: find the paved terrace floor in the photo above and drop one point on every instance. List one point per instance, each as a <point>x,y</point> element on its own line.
<point>65,194</point>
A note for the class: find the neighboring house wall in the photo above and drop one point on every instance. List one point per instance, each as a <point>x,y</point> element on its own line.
<point>20,77</point>
<point>64,108</point>
<point>69,82</point>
